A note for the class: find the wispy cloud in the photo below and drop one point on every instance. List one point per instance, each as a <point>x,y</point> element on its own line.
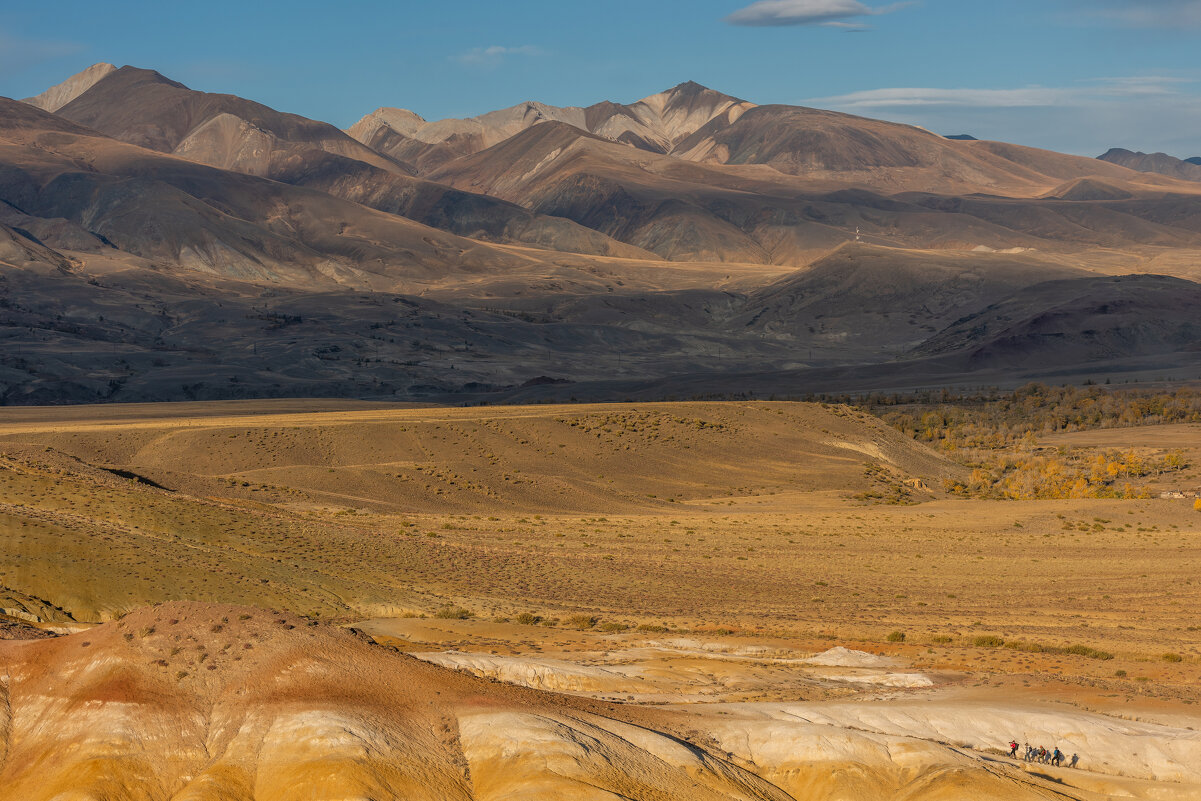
<point>915,97</point>
<point>16,53</point>
<point>1145,112</point>
<point>1025,97</point>
<point>1168,14</point>
<point>844,14</point>
<point>494,55</point>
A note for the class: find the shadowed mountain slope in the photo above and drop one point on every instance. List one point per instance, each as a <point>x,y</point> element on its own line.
<point>863,299</point>
<point>1078,321</point>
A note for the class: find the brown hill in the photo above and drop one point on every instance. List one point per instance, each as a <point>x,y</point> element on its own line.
<point>144,108</point>
<point>654,124</point>
<point>890,157</point>
<point>572,257</point>
<point>753,213</point>
<point>193,701</point>
<point>165,208</point>
<point>1161,163</point>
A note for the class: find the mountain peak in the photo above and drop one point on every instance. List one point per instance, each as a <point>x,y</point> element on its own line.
<point>689,87</point>
<point>63,93</point>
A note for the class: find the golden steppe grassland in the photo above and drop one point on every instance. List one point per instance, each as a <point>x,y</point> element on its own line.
<point>689,554</point>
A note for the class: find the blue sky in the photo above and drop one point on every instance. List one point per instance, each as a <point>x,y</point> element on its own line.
<point>1071,75</point>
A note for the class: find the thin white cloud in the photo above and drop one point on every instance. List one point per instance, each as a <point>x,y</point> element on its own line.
<point>1025,97</point>
<point>1142,85</point>
<point>1169,14</point>
<point>1148,113</point>
<point>16,53</point>
<point>494,55</point>
<point>914,96</point>
<point>830,13</point>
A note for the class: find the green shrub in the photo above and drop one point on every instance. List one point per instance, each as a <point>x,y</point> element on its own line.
<point>1173,658</point>
<point>942,639</point>
<point>896,636</point>
<point>528,619</point>
<point>452,613</point>
<point>988,641</point>
<point>580,622</point>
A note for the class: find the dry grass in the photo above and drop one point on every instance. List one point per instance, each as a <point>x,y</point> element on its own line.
<point>737,523</point>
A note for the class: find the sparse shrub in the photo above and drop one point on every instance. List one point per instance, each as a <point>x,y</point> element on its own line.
<point>1121,674</point>
<point>1084,650</point>
<point>988,641</point>
<point>651,628</point>
<point>528,619</point>
<point>942,639</point>
<point>146,631</point>
<point>453,613</point>
<point>1169,657</point>
<point>613,626</point>
<point>581,622</point>
<point>896,636</point>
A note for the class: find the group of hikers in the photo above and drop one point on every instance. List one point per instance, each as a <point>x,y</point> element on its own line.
<point>1039,754</point>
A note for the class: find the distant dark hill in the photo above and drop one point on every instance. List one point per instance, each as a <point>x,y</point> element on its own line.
<point>1077,321</point>
<point>1161,163</point>
<point>863,300</point>
<point>961,137</point>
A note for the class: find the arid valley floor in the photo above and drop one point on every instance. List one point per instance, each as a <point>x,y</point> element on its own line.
<point>652,601</point>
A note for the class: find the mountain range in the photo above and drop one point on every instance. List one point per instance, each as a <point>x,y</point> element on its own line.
<point>160,243</point>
